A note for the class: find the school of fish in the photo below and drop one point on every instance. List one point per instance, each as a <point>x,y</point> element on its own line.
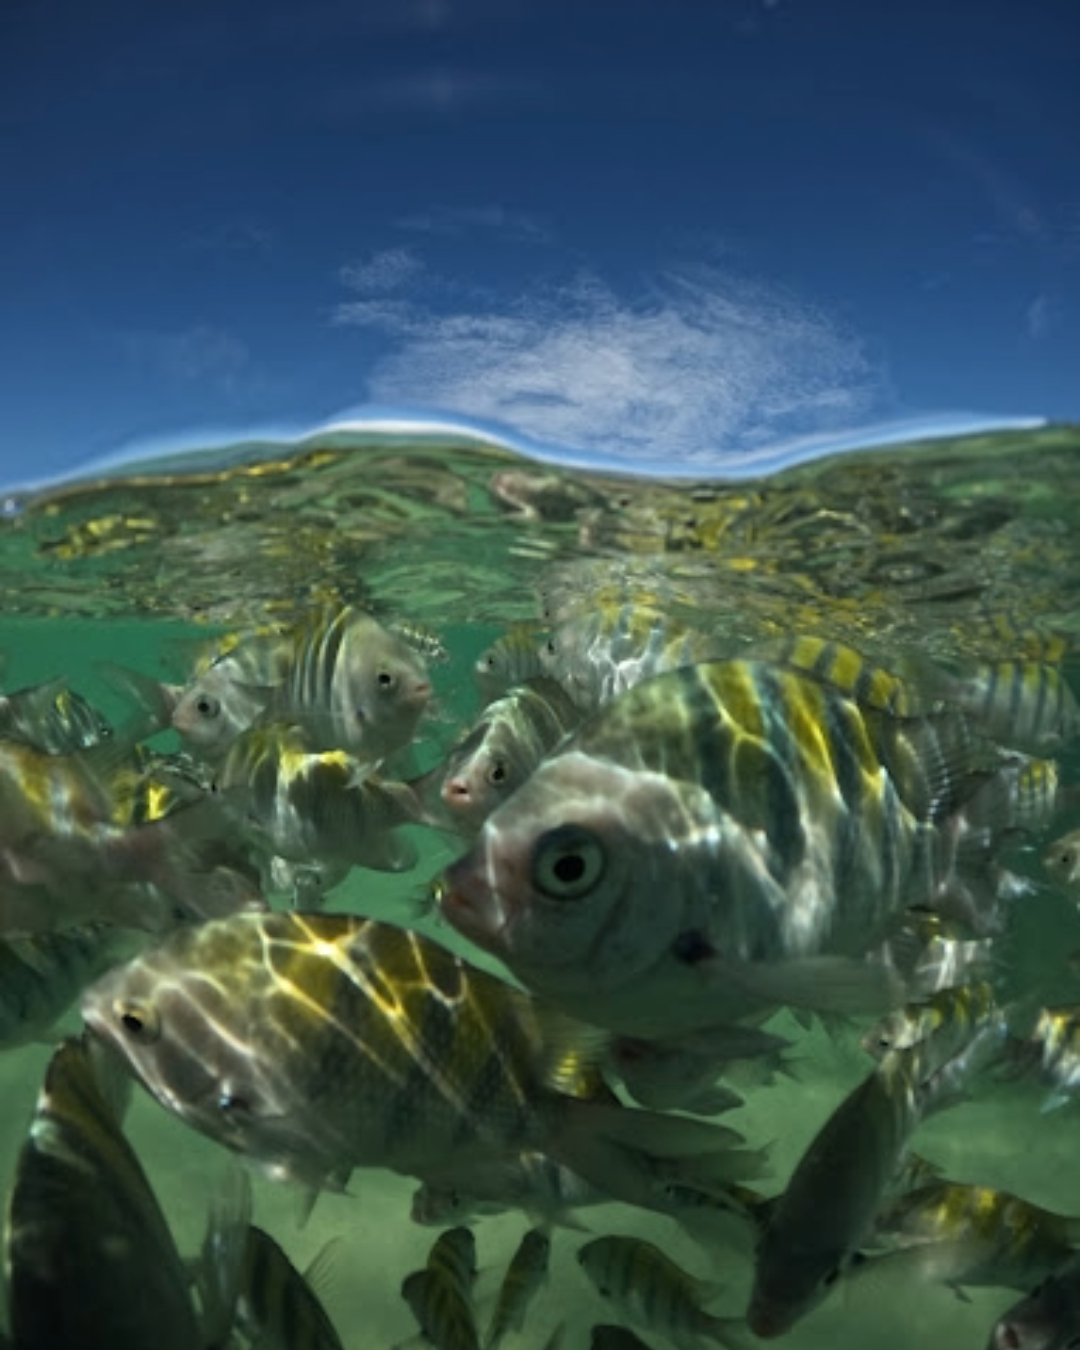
<point>661,842</point>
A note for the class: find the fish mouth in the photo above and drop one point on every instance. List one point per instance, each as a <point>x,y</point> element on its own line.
<point>469,902</point>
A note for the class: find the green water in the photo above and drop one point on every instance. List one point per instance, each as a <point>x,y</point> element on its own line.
<point>961,547</point>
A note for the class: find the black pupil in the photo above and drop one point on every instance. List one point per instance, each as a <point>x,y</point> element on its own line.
<point>385,679</point>
<point>206,707</point>
<point>569,868</point>
<point>132,1022</point>
<point>498,773</point>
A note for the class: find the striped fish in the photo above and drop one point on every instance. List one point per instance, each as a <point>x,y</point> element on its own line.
<point>514,734</point>
<point>42,975</point>
<point>348,681</point>
<point>445,1317</point>
<point>954,1012</point>
<point>90,1258</point>
<point>53,718</point>
<point>972,1235</point>
<point>651,1290</point>
<point>1025,704</point>
<point>318,807</point>
<point>1062,860</point>
<point>320,1043</point>
<point>723,838</point>
<point>277,1307</point>
<point>512,659</point>
<point>525,1274</point>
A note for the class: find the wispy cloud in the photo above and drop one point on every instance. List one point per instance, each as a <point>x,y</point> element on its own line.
<point>697,362</point>
<point>1039,318</point>
<point>387,269</point>
<point>201,354</point>
<point>457,220</point>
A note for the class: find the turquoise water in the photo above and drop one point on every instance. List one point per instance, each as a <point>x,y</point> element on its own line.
<point>961,548</point>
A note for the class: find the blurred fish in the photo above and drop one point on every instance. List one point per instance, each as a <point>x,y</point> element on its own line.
<point>90,1259</point>
<point>511,660</point>
<point>1025,704</point>
<point>681,1074</point>
<point>277,1307</point>
<point>453,1257</point>
<point>931,952</point>
<point>606,649</point>
<point>954,1012</point>
<point>722,839</point>
<point>445,1317</point>
<point>63,860</point>
<point>41,975</point>
<point>828,1208</point>
<point>524,1276</point>
<point>651,1290</point>
<point>514,734</point>
<point>973,1235</point>
<point>53,718</point>
<point>1047,1319</point>
<point>315,807</point>
<point>1052,1049</point>
<point>319,1043</point>
<point>1062,860</point>
<point>866,681</point>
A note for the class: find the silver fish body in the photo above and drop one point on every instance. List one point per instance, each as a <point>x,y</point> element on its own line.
<point>53,718</point>
<point>659,869</point>
<point>90,1258</point>
<point>318,1043</point>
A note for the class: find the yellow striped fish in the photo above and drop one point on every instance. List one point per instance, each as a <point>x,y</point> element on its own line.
<point>723,838</point>
<point>648,1287</point>
<point>90,1259</point>
<point>351,683</point>
<point>277,1307</point>
<point>525,1274</point>
<point>951,1013</point>
<point>53,718</point>
<point>319,1043</point>
<point>974,1235</point>
<point>314,806</point>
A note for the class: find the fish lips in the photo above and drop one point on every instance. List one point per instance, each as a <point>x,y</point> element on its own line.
<point>469,902</point>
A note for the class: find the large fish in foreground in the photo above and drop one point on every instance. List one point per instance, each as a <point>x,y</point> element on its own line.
<point>320,1043</point>
<point>726,837</point>
<point>90,1259</point>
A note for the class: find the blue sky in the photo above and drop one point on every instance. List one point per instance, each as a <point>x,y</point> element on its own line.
<point>631,225</point>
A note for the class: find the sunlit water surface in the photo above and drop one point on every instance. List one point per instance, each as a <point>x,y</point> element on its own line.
<point>953,546</point>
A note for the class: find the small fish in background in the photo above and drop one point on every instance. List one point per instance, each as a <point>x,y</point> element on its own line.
<point>317,1043</point>
<point>453,1257</point>
<point>827,1210</point>
<point>90,1258</point>
<point>1048,1318</point>
<point>954,1012</point>
<point>526,1273</point>
<point>42,975</point>
<point>53,718</point>
<point>319,808</point>
<point>445,1316</point>
<point>64,861</point>
<point>1028,705</point>
<point>514,734</point>
<point>1062,861</point>
<point>650,1289</point>
<point>1051,1048</point>
<point>512,659</point>
<point>965,1235</point>
<point>277,1307</point>
<point>601,652</point>
<point>931,952</point>
<point>607,1336</point>
<point>681,1074</point>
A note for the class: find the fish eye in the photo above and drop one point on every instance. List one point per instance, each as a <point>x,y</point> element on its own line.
<point>497,772</point>
<point>385,679</point>
<point>139,1020</point>
<point>207,706</point>
<point>568,863</point>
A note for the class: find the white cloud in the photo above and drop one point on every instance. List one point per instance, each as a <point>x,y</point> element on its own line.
<point>457,220</point>
<point>386,270</point>
<point>700,362</point>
